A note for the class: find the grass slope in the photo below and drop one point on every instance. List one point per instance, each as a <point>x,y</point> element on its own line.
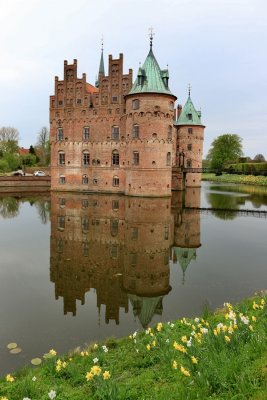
<point>216,356</point>
<point>231,178</point>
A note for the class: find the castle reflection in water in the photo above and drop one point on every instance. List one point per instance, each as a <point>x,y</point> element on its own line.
<point>121,247</point>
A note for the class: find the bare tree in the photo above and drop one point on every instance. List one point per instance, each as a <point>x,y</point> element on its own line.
<point>9,133</point>
<point>259,158</point>
<point>43,137</point>
<point>43,146</point>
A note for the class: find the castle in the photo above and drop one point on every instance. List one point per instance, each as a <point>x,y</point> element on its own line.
<point>123,137</point>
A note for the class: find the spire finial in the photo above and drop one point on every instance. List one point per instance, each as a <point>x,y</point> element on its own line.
<point>189,89</point>
<point>151,34</point>
<point>102,43</point>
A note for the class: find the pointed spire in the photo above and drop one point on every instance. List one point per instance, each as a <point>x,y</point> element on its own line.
<point>101,64</point>
<point>189,115</point>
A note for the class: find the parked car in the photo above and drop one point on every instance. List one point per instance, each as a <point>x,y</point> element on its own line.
<point>39,173</point>
<point>17,173</point>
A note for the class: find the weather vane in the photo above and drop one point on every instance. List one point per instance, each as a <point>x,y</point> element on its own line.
<point>151,34</point>
<point>189,89</point>
<point>102,42</point>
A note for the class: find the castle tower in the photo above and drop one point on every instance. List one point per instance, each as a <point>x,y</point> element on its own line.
<point>190,136</point>
<point>149,129</point>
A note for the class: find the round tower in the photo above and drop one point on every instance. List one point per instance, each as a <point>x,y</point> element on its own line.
<point>190,136</point>
<point>149,131</point>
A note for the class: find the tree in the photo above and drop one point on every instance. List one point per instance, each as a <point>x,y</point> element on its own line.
<point>43,146</point>
<point>227,147</point>
<point>9,138</point>
<point>259,158</point>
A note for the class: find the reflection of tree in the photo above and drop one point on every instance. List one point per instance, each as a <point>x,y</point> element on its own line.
<point>43,208</point>
<point>9,207</point>
<point>224,202</point>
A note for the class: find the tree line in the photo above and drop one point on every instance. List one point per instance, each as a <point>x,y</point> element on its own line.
<point>10,157</point>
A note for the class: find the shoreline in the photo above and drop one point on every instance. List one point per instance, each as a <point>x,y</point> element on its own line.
<point>250,180</point>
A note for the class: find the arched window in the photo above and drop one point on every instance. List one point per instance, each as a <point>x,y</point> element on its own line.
<point>85,180</point>
<point>115,158</point>
<point>169,159</point>
<point>60,135</point>
<point>62,179</point>
<point>135,131</point>
<point>86,158</point>
<point>115,133</point>
<point>61,158</point>
<point>116,181</point>
<point>188,163</point>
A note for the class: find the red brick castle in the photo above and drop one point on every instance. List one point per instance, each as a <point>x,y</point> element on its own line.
<point>123,137</point>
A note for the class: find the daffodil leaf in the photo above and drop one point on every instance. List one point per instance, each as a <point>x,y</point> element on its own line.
<point>36,361</point>
<point>48,355</point>
<point>16,350</point>
<point>12,346</point>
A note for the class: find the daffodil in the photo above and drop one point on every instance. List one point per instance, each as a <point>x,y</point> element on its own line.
<point>184,339</point>
<point>148,347</point>
<point>159,326</point>
<point>89,376</point>
<point>184,371</point>
<point>227,339</point>
<point>106,375</point>
<point>52,394</point>
<point>52,352</point>
<point>96,370</point>
<point>10,378</point>
<point>174,365</point>
<point>194,360</point>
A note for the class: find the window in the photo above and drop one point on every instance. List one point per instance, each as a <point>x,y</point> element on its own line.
<point>171,106</point>
<point>114,99</point>
<point>135,131</point>
<point>86,158</point>
<point>135,158</point>
<point>61,222</point>
<point>133,259</point>
<point>189,147</point>
<point>154,135</point>
<point>134,233</point>
<point>62,179</point>
<point>169,159</point>
<point>61,158</point>
<point>188,163</point>
<point>115,181</point>
<point>189,116</point>
<point>190,130</point>
<point>85,224</point>
<point>115,205</point>
<point>95,181</point>
<point>170,132</point>
<point>60,135</point>
<point>114,227</point>
<point>115,133</point>
<point>85,203</point>
<point>115,157</point>
<point>79,101</point>
<point>61,201</point>
<point>60,102</point>
<point>135,104</point>
<point>86,133</point>
<point>60,245</point>
<point>85,249</point>
<point>114,251</point>
<point>85,180</point>
<point>166,232</point>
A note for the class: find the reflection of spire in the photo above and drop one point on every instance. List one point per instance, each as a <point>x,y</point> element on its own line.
<point>184,256</point>
<point>146,307</point>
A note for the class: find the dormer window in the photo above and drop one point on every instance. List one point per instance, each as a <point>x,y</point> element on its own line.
<point>190,117</point>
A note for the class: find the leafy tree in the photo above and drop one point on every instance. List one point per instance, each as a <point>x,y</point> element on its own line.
<point>31,150</point>
<point>224,148</point>
<point>4,167</point>
<point>28,159</point>
<point>13,161</point>
<point>9,138</point>
<point>43,146</point>
<point>259,158</point>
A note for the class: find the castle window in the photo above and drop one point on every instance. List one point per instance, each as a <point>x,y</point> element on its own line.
<point>133,259</point>
<point>115,133</point>
<point>189,147</point>
<point>190,130</point>
<point>95,181</point>
<point>61,222</point>
<point>62,179</point>
<point>114,99</point>
<point>115,205</point>
<point>135,131</point>
<point>168,159</point>
<point>85,224</point>
<point>60,102</point>
<point>154,135</point>
<point>61,158</point>
<point>189,116</point>
<point>59,245</point>
<point>170,132</point>
<point>115,157</point>
<point>85,249</point>
<point>135,104</point>
<point>135,158</point>
<point>61,202</point>
<point>114,251</point>
<point>134,233</point>
<point>115,181</point>
<point>60,135</point>
<point>171,106</point>
<point>166,232</point>
<point>86,158</point>
<point>86,133</point>
<point>188,163</point>
<point>85,180</point>
<point>85,203</point>
<point>114,227</point>
<point>79,101</point>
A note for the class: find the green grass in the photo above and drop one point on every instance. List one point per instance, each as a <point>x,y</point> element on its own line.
<point>158,364</point>
<point>240,179</point>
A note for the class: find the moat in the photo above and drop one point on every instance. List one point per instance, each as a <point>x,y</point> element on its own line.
<point>80,268</point>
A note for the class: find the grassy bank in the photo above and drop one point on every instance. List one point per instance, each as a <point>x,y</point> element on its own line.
<point>218,356</point>
<point>241,179</point>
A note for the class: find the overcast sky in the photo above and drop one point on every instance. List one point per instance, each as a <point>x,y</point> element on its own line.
<point>218,46</point>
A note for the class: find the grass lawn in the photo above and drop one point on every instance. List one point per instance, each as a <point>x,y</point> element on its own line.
<point>221,355</point>
<point>241,179</point>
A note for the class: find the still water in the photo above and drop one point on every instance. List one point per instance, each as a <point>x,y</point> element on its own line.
<point>80,268</point>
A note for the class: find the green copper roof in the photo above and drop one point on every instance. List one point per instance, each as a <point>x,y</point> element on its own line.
<point>101,69</point>
<point>150,78</point>
<point>185,256</point>
<point>189,115</point>
<point>146,307</point>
